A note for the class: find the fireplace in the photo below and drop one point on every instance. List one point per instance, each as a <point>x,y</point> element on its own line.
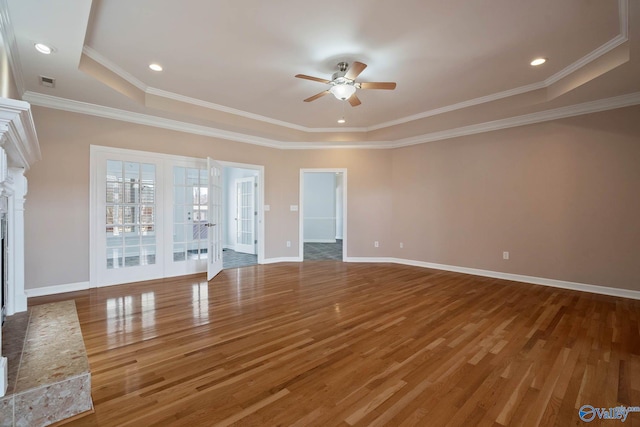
<point>19,149</point>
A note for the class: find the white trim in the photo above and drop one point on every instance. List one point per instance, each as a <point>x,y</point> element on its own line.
<point>144,119</point>
<point>57,289</point>
<point>224,109</point>
<point>280,259</point>
<point>590,57</point>
<point>383,260</point>
<point>623,16</point>
<point>562,284</point>
<point>319,240</point>
<point>461,105</point>
<point>527,119</point>
<point>114,68</point>
<point>16,122</point>
<point>148,120</point>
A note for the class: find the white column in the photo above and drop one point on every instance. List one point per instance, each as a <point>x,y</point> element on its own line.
<point>17,300</point>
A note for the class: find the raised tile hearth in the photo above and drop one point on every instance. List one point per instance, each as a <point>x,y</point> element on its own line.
<point>49,377</point>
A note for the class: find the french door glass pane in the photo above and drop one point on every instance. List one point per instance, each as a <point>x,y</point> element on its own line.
<point>130,214</point>
<point>190,213</point>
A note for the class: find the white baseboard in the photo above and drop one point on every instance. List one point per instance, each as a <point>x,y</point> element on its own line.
<point>370,259</point>
<point>319,240</point>
<point>583,287</point>
<point>603,290</point>
<point>56,289</point>
<point>281,259</point>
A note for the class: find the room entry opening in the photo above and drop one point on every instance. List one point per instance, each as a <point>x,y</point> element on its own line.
<point>323,214</point>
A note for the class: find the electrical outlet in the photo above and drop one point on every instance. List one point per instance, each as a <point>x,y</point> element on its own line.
<point>376,244</point>
<point>505,255</point>
<point>401,245</point>
<point>288,243</point>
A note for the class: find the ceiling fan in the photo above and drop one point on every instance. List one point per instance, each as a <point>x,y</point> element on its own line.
<point>343,84</point>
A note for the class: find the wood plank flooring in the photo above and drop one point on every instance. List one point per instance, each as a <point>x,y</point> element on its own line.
<point>340,344</point>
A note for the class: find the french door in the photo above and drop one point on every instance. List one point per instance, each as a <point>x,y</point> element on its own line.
<point>153,216</point>
<point>245,219</point>
<point>214,264</point>
<point>128,218</point>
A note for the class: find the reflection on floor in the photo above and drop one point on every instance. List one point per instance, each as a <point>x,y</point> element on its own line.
<point>233,259</point>
<point>323,251</point>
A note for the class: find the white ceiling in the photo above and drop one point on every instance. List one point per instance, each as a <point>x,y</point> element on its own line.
<point>229,66</point>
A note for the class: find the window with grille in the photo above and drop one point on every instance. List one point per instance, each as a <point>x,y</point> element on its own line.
<point>130,214</point>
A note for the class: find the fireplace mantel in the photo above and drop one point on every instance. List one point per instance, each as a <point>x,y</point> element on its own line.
<point>19,149</point>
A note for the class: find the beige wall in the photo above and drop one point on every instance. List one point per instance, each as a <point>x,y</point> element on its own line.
<point>562,197</point>
<point>57,208</point>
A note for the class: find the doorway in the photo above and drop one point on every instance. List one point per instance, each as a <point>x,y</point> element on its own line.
<point>241,217</point>
<point>323,214</point>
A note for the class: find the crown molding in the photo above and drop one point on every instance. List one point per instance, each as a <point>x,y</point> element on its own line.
<point>149,120</point>
<point>623,15</point>
<point>623,36</point>
<point>9,38</point>
<point>527,119</point>
<point>113,67</point>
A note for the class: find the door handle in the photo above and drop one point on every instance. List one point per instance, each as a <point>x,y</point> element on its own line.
<point>209,225</point>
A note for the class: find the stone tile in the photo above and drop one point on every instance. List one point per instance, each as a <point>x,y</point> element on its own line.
<point>6,411</point>
<point>49,404</point>
<point>233,259</point>
<point>54,349</point>
<point>323,251</point>
<point>14,333</point>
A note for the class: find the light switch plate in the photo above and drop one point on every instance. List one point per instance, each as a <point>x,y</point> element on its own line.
<point>293,208</point>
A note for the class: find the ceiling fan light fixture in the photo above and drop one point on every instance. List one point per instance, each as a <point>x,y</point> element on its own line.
<point>343,91</point>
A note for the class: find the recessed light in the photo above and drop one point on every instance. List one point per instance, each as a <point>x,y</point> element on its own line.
<point>155,67</point>
<point>538,61</point>
<point>43,48</point>
<point>341,121</point>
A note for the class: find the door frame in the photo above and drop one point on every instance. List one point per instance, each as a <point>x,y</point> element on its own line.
<point>344,209</point>
<point>260,226</point>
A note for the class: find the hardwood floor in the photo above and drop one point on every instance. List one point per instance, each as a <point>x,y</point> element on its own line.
<point>333,344</point>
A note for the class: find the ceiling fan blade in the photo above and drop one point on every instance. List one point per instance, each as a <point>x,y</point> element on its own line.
<point>355,70</point>
<point>378,85</point>
<point>354,100</point>
<point>316,96</point>
<point>315,79</point>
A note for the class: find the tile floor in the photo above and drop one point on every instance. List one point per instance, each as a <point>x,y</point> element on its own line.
<point>323,251</point>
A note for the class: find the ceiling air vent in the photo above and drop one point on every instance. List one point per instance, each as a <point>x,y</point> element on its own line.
<point>47,81</point>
